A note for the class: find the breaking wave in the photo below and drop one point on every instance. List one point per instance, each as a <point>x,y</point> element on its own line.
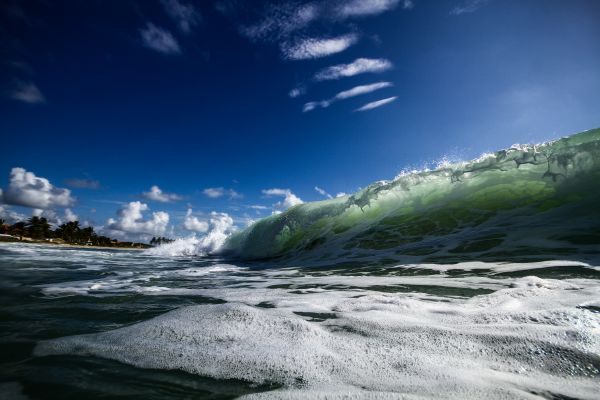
<point>528,202</point>
<point>221,227</point>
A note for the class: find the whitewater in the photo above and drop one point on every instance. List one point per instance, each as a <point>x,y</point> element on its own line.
<point>472,280</point>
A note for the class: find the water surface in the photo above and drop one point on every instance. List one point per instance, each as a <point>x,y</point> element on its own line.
<point>106,323</point>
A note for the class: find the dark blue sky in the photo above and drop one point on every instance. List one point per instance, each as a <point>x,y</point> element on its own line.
<point>192,95</point>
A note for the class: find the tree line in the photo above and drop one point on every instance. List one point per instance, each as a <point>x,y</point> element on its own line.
<point>38,228</point>
<point>157,241</point>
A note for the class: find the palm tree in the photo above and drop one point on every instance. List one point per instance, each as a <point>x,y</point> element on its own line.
<point>18,229</point>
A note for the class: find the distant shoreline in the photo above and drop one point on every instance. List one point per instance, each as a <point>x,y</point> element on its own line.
<point>12,239</point>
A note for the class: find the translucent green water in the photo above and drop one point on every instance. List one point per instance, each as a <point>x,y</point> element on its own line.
<point>530,201</point>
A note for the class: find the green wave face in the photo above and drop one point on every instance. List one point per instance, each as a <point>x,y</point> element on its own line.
<point>528,202</point>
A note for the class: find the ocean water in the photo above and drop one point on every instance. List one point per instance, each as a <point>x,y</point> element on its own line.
<point>471,280</point>
<point>105,323</point>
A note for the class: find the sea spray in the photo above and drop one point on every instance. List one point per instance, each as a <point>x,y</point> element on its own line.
<point>221,227</point>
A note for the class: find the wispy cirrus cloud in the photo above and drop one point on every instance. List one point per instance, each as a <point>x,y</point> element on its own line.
<point>258,207</point>
<point>280,20</point>
<point>361,8</point>
<point>26,92</point>
<point>156,194</point>
<point>322,192</point>
<point>362,89</point>
<point>82,183</point>
<point>159,39</point>
<point>468,6</point>
<point>186,15</point>
<point>346,94</point>
<point>292,24</point>
<point>358,66</point>
<point>297,91</point>
<point>317,47</point>
<point>375,104</point>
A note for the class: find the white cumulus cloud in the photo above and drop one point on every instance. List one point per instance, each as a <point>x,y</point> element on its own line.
<point>358,66</point>
<point>375,104</point>
<point>289,198</point>
<point>156,194</point>
<point>28,190</point>
<point>317,47</point>
<point>158,39</point>
<point>70,216</point>
<point>131,220</point>
<point>192,223</point>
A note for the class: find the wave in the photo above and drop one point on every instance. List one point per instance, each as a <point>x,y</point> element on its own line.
<point>528,202</point>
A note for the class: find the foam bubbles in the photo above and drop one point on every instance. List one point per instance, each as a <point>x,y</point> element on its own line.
<point>528,338</point>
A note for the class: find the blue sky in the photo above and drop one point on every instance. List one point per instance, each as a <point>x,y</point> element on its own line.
<point>243,108</point>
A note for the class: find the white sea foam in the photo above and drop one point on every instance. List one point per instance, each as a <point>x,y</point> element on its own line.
<point>180,247</point>
<point>203,271</point>
<point>530,338</point>
<point>415,331</point>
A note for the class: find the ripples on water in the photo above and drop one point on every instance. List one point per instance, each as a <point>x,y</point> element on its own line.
<point>100,323</point>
